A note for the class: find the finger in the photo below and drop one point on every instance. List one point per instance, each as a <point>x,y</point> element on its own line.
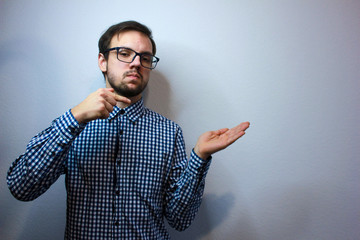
<point>107,98</point>
<point>221,131</point>
<point>237,131</point>
<point>117,97</point>
<point>108,106</point>
<point>245,125</point>
<point>242,126</point>
<point>233,136</point>
<point>110,89</point>
<point>121,99</point>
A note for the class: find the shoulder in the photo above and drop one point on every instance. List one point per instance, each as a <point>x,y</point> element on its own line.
<point>158,119</point>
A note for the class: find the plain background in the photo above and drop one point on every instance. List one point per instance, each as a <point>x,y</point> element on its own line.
<point>291,68</point>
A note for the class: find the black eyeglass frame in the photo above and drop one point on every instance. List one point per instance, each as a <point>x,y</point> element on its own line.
<point>154,62</point>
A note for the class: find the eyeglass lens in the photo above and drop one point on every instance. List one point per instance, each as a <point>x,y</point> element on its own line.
<point>128,55</point>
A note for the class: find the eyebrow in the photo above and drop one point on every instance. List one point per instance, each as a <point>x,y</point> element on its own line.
<point>145,52</point>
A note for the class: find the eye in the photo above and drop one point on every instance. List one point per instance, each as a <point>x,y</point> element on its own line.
<point>124,53</point>
<point>147,58</point>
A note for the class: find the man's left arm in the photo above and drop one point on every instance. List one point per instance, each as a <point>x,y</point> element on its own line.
<point>184,196</point>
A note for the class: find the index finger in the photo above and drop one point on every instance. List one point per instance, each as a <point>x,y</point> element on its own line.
<point>243,126</point>
<point>121,98</point>
<point>238,131</point>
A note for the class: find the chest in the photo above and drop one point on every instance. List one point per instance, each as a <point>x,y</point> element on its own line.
<point>123,153</point>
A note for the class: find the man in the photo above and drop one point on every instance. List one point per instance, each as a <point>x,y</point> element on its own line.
<point>125,165</point>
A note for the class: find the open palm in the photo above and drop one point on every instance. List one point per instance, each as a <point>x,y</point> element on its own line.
<point>214,141</point>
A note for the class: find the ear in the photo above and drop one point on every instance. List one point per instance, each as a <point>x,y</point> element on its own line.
<point>102,62</point>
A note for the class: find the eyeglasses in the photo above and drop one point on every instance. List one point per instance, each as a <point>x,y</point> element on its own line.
<point>128,55</point>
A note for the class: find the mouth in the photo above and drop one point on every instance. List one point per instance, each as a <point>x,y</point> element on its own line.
<point>133,75</point>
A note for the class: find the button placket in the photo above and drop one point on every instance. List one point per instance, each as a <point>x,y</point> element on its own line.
<point>118,198</point>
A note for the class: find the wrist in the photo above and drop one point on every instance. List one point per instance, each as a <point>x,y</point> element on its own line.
<point>78,117</point>
<point>201,154</point>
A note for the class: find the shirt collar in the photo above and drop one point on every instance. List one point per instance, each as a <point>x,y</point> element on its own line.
<point>133,112</point>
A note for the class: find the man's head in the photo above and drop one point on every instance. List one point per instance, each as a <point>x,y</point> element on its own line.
<point>116,29</point>
<point>124,51</point>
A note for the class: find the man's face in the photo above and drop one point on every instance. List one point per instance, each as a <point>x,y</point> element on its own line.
<point>127,79</point>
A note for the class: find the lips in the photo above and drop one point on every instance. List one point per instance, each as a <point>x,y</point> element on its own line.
<point>132,75</point>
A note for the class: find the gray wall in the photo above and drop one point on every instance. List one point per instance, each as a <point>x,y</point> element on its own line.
<point>291,68</point>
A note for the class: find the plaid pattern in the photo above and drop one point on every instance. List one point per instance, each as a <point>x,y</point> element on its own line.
<point>124,174</point>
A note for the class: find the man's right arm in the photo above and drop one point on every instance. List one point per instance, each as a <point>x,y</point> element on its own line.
<point>45,157</point>
<point>44,160</point>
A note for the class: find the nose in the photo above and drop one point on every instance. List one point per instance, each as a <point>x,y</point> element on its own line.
<point>136,62</point>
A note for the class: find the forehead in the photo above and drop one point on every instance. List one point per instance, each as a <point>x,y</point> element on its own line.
<point>135,40</point>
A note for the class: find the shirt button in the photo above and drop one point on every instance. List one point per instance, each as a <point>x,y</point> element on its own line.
<point>117,223</point>
<point>117,192</point>
<point>122,111</point>
<point>121,132</point>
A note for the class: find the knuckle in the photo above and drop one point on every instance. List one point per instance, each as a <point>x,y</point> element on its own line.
<point>102,108</point>
<point>102,92</point>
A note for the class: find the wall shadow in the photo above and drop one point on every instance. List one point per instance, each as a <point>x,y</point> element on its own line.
<point>212,213</point>
<point>157,95</point>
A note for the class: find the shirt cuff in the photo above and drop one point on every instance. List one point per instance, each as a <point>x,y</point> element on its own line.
<point>198,165</point>
<point>68,125</point>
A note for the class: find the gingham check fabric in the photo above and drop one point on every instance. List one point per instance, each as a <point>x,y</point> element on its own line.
<point>124,174</point>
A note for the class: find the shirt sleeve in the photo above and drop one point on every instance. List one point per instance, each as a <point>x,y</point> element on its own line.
<point>186,187</point>
<point>41,165</point>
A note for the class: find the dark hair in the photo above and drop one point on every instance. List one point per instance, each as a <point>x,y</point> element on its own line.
<point>105,39</point>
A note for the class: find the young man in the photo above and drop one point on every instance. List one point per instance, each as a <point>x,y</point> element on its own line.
<point>125,165</point>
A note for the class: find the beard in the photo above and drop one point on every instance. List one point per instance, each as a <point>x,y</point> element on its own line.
<point>122,88</point>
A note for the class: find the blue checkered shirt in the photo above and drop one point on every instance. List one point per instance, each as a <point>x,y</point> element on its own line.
<point>123,174</point>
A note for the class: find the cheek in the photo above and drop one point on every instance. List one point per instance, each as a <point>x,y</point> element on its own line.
<point>114,75</point>
<point>116,69</point>
<point>146,74</point>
